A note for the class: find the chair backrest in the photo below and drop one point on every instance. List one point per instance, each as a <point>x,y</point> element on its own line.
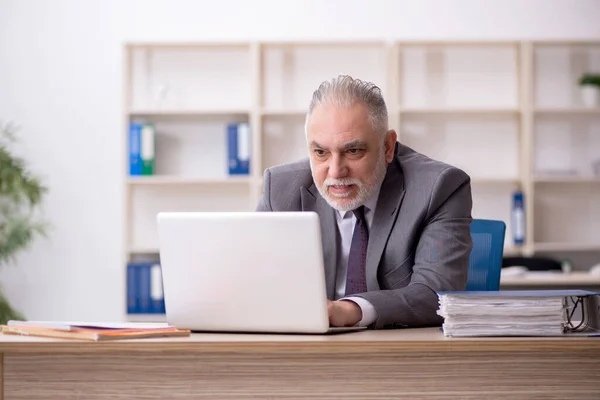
<point>485,261</point>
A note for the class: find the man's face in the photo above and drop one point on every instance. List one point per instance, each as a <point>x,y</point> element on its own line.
<point>348,159</point>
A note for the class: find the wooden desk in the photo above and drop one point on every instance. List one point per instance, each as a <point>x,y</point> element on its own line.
<point>414,363</point>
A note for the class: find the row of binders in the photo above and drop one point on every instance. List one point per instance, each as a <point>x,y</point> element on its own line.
<point>142,148</point>
<point>520,313</point>
<point>144,288</point>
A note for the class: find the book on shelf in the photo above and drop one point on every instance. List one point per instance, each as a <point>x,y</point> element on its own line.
<point>142,138</point>
<point>91,331</point>
<point>519,313</point>
<point>238,148</point>
<point>145,288</point>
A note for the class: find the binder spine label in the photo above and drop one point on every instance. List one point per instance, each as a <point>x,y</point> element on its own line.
<point>147,148</point>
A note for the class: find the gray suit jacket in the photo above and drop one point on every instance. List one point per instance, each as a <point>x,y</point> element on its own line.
<point>419,241</point>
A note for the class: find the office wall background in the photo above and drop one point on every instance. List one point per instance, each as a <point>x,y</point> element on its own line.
<point>60,80</point>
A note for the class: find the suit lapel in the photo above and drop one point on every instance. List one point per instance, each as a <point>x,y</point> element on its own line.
<point>312,201</point>
<point>386,211</point>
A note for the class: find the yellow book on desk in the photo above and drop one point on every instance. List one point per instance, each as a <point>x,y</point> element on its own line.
<point>92,331</point>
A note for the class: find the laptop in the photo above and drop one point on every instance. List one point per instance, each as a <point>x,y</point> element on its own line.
<point>244,272</point>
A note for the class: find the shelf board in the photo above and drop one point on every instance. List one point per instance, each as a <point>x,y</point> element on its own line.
<point>551,279</point>
<point>566,246</point>
<point>179,180</point>
<point>565,42</point>
<point>457,43</point>
<point>143,250</point>
<point>491,180</point>
<point>512,251</point>
<point>567,110</point>
<point>324,43</point>
<point>146,317</point>
<point>188,113</point>
<point>188,45</point>
<point>566,179</point>
<point>457,111</point>
<point>283,113</point>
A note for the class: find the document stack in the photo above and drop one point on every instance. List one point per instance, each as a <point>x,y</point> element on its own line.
<point>515,313</point>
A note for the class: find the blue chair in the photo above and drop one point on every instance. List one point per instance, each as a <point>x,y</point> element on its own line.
<point>485,261</point>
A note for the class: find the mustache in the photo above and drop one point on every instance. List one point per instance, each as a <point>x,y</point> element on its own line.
<point>342,182</point>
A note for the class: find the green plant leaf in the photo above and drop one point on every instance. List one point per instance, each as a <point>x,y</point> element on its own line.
<point>21,194</point>
<point>7,312</point>
<point>590,79</point>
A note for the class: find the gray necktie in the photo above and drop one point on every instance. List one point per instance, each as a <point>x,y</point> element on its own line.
<point>356,281</point>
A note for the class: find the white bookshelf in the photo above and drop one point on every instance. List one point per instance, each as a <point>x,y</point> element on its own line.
<point>446,111</point>
<point>565,144</point>
<point>506,112</point>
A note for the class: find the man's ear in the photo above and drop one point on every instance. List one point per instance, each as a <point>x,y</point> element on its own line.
<point>390,145</point>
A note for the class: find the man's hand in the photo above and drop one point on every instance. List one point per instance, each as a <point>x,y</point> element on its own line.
<point>343,313</point>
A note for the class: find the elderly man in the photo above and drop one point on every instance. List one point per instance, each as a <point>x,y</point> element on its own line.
<point>394,223</point>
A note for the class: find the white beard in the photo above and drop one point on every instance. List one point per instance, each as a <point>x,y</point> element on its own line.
<point>365,189</point>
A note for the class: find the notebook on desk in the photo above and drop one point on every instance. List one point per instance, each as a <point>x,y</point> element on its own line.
<point>93,331</point>
<point>520,313</point>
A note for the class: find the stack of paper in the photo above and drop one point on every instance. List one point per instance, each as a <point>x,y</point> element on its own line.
<point>94,331</point>
<point>503,313</point>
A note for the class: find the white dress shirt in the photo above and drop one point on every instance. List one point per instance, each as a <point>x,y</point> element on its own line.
<point>346,221</point>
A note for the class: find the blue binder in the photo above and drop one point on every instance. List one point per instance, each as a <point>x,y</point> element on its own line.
<point>157,300</point>
<point>238,148</point>
<point>144,288</point>
<point>132,293</point>
<point>135,143</point>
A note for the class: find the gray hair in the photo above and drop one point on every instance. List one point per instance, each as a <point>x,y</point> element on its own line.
<point>344,91</point>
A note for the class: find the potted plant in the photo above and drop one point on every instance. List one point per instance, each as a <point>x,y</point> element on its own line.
<point>21,194</point>
<point>590,89</point>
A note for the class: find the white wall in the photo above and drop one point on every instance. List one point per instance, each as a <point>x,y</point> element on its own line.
<point>60,77</point>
